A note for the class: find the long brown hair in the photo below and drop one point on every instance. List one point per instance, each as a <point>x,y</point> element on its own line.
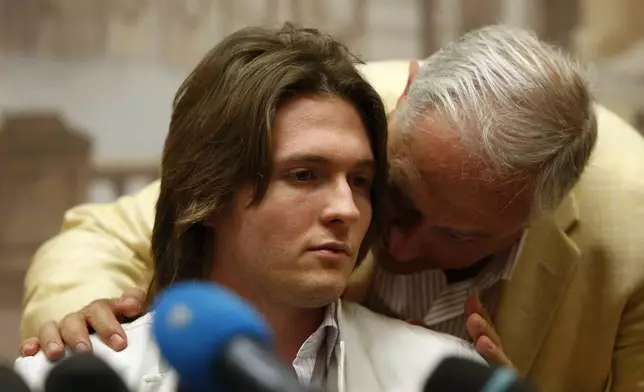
<point>220,134</point>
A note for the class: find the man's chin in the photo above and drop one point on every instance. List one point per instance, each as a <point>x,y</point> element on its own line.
<point>321,291</point>
<point>319,298</point>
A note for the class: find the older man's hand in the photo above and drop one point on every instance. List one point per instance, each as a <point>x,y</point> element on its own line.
<point>104,316</point>
<point>481,329</point>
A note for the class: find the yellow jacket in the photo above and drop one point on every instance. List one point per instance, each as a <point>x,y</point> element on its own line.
<point>571,318</point>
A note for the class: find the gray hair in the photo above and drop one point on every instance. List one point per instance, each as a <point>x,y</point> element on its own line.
<point>524,105</point>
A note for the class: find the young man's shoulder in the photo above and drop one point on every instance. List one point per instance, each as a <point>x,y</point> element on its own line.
<point>130,363</point>
<point>388,334</point>
<point>399,355</point>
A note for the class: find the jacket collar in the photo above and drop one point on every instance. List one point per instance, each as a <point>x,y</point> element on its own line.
<point>531,298</point>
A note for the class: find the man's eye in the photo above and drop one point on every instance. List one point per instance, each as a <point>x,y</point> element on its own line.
<point>302,175</point>
<point>362,182</point>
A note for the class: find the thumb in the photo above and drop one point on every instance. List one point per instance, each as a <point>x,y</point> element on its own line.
<point>474,305</point>
<point>131,303</point>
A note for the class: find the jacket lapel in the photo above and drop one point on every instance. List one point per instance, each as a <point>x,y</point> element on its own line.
<point>336,377</point>
<point>158,376</point>
<point>335,374</point>
<point>530,299</point>
<point>352,367</point>
<point>166,382</point>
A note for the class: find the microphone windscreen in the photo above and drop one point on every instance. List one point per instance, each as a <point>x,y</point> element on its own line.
<point>461,375</point>
<point>194,322</point>
<point>81,373</point>
<point>11,382</point>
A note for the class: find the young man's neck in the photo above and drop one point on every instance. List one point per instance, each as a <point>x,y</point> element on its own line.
<point>291,326</point>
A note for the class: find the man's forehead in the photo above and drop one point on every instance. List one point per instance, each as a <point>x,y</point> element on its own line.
<point>454,183</point>
<point>438,152</point>
<point>319,128</point>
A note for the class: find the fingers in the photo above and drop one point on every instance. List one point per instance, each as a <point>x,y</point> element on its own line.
<point>29,347</point>
<point>492,353</point>
<point>134,293</point>
<point>50,341</point>
<point>75,332</point>
<point>474,305</point>
<point>486,340</point>
<point>477,327</point>
<point>100,316</point>
<point>131,303</point>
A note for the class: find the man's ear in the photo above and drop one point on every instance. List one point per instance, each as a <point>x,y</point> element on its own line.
<point>413,69</point>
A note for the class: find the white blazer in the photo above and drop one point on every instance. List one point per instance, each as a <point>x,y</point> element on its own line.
<point>373,353</point>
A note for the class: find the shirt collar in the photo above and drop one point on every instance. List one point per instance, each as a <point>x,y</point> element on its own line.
<point>330,324</point>
<point>499,268</point>
<point>513,256</point>
<point>319,348</point>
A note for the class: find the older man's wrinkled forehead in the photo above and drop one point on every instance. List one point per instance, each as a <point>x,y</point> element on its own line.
<point>433,162</point>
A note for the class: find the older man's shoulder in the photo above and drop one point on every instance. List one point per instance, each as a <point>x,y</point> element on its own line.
<point>613,181</point>
<point>619,151</point>
<point>607,202</point>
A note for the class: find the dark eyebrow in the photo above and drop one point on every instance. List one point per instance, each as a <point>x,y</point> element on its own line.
<point>317,159</point>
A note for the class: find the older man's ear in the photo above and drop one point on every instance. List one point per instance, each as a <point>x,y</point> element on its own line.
<point>413,69</point>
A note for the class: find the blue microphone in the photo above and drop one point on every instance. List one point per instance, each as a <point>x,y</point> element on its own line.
<point>217,342</point>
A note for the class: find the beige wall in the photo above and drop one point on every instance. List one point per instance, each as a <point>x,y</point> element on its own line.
<point>608,27</point>
<point>611,35</point>
<point>10,297</point>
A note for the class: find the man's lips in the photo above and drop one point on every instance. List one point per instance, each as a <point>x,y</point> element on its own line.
<point>332,247</point>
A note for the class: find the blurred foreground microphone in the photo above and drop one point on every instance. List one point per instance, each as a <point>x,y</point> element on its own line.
<point>81,373</point>
<point>217,342</point>
<point>462,375</point>
<point>11,382</point>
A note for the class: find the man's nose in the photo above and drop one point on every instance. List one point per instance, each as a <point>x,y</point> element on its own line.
<point>341,204</point>
<point>405,244</point>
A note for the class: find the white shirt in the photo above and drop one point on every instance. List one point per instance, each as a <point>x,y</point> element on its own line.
<point>314,357</point>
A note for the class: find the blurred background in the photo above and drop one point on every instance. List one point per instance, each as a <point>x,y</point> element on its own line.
<point>86,86</point>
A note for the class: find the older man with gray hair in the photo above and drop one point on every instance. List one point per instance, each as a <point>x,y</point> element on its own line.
<point>516,211</point>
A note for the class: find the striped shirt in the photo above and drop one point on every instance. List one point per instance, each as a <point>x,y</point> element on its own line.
<point>427,297</point>
<point>313,358</point>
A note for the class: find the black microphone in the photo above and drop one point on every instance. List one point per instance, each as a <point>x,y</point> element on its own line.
<point>462,375</point>
<point>11,382</point>
<point>84,373</point>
